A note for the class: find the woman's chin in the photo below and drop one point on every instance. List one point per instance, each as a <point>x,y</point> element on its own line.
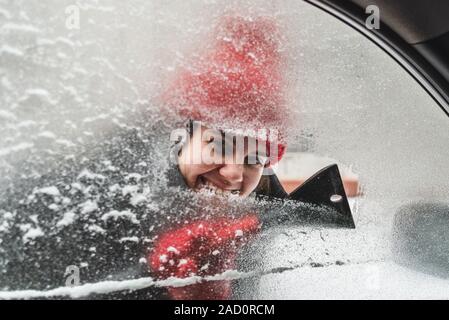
<point>205,186</point>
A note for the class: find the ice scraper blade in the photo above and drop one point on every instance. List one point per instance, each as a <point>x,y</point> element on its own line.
<point>325,188</point>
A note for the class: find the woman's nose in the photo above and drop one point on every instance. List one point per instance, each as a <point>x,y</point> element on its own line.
<point>232,172</point>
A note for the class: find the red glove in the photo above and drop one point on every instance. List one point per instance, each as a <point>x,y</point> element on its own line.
<point>201,248</point>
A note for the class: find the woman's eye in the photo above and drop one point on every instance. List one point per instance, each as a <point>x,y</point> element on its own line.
<point>255,160</point>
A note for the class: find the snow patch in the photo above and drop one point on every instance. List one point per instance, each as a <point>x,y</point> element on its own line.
<point>47,134</point>
<point>96,229</point>
<point>53,207</point>
<point>114,214</point>
<point>7,115</point>
<point>19,147</point>
<point>11,51</point>
<point>5,13</point>
<point>172,249</point>
<point>129,239</point>
<point>14,27</point>
<point>137,199</point>
<point>51,191</point>
<point>32,234</point>
<point>65,143</point>
<point>130,189</point>
<point>114,286</point>
<point>67,219</point>
<point>88,207</point>
<point>90,175</point>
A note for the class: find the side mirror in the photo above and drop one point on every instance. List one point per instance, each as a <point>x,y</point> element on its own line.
<point>421,238</point>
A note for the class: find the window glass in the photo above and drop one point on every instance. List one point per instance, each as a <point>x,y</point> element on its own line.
<point>92,186</point>
<point>360,109</point>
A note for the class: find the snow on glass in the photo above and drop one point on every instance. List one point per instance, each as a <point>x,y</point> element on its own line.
<point>85,147</point>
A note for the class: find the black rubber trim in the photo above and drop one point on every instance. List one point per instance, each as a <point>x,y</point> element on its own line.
<point>437,53</point>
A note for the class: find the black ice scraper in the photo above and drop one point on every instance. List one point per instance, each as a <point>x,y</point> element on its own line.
<point>320,200</point>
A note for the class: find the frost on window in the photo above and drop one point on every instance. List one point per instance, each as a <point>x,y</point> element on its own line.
<point>360,109</point>
<point>97,99</point>
<point>91,96</point>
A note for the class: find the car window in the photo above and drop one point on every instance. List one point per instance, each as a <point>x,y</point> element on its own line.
<point>90,185</point>
<point>359,108</point>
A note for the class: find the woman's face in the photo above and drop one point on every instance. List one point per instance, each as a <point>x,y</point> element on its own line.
<point>238,172</point>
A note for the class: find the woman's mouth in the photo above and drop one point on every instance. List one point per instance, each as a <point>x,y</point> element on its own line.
<point>205,185</point>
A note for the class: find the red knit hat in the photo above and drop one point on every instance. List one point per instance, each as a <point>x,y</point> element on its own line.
<point>238,83</point>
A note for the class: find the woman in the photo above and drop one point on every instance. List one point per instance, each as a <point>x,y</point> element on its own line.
<point>234,94</point>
